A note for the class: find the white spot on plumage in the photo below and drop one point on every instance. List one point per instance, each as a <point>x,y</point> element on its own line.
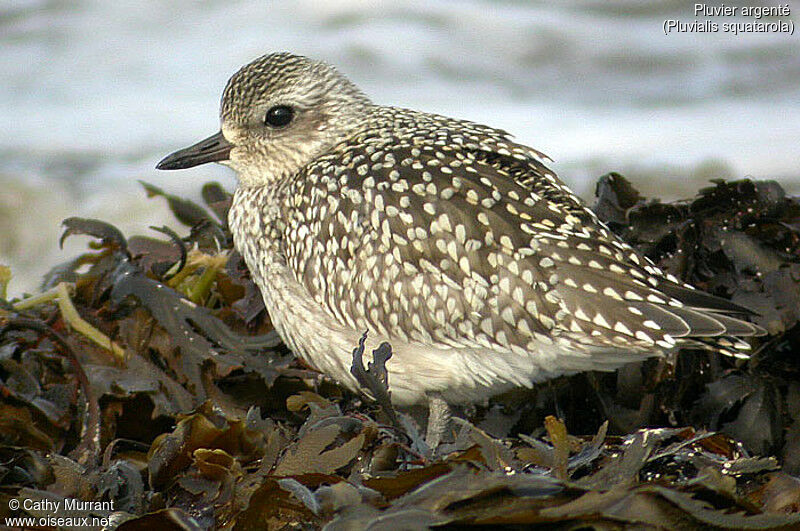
<point>621,328</point>
<point>546,262</point>
<point>599,320</point>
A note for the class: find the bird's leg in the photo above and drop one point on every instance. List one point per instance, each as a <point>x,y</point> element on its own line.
<point>556,405</point>
<point>439,415</point>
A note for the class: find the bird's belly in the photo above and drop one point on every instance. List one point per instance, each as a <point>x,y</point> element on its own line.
<point>460,375</point>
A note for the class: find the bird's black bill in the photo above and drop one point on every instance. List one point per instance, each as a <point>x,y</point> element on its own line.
<point>213,149</point>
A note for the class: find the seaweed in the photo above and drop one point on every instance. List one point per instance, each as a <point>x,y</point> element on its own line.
<point>375,379</point>
<point>148,374</point>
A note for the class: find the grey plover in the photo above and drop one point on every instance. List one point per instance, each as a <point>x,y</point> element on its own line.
<point>443,237</point>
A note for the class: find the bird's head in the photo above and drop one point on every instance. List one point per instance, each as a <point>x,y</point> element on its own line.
<point>278,114</point>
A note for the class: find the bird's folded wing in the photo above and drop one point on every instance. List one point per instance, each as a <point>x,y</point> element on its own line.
<point>465,244</point>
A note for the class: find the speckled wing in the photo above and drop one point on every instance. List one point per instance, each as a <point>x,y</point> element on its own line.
<point>450,241</point>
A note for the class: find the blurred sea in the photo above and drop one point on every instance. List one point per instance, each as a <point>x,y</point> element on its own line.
<point>94,93</point>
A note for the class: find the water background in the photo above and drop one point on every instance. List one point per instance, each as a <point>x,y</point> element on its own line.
<point>94,93</point>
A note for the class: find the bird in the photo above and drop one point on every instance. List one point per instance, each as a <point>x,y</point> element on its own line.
<point>443,237</point>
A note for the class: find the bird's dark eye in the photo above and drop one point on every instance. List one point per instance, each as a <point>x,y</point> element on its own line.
<point>279,116</point>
